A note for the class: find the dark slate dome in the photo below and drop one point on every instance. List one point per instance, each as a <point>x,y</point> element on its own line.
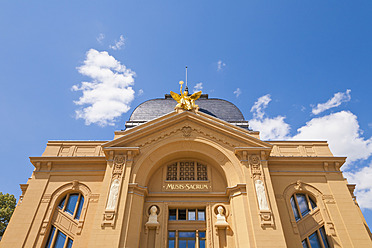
<point>218,108</point>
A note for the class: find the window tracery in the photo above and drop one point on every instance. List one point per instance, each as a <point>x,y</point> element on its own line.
<point>187,171</point>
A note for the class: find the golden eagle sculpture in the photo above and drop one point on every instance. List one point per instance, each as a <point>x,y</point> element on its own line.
<point>184,101</point>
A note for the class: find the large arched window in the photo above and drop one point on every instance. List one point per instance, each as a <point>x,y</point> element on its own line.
<point>69,209</point>
<point>302,205</point>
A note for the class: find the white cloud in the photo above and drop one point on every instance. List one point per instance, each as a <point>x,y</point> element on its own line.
<point>335,101</point>
<point>363,190</point>
<point>270,128</point>
<point>220,65</point>
<point>100,38</point>
<point>140,92</point>
<point>118,44</point>
<point>198,87</point>
<point>260,105</point>
<point>109,93</point>
<point>342,132</point>
<point>237,92</point>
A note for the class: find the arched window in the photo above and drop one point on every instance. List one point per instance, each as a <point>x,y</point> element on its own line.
<point>72,204</point>
<point>70,207</point>
<point>302,205</point>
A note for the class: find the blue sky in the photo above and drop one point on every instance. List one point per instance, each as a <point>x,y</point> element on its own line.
<point>285,57</point>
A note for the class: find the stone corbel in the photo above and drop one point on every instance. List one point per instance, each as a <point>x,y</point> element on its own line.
<point>331,228</point>
<point>24,189</point>
<point>266,218</point>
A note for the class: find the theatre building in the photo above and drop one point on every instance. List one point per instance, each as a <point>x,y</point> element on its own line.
<point>190,176</point>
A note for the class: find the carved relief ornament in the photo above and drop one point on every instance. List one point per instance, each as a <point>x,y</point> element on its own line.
<point>120,161</point>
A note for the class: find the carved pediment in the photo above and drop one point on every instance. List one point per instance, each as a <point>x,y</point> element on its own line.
<point>186,125</point>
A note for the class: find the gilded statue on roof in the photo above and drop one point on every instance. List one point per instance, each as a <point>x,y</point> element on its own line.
<point>184,101</point>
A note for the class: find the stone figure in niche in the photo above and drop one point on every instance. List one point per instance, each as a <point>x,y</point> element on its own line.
<point>261,195</point>
<point>153,217</point>
<point>113,195</point>
<point>221,218</point>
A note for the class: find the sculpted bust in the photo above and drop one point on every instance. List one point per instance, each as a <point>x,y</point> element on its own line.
<point>153,217</point>
<point>221,218</point>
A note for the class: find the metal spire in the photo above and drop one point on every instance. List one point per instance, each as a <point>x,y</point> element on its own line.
<point>186,88</point>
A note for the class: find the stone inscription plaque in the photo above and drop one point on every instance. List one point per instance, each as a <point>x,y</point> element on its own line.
<point>186,186</point>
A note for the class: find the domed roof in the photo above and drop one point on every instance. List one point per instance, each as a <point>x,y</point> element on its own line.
<point>218,108</point>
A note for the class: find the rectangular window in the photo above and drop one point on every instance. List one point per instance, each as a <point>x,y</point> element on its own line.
<point>60,240</point>
<point>304,244</point>
<point>202,239</point>
<point>186,239</point>
<point>182,214</point>
<point>314,240</point>
<point>187,214</point>
<point>201,214</point>
<point>50,238</point>
<point>191,214</point>
<point>324,237</point>
<point>172,214</point>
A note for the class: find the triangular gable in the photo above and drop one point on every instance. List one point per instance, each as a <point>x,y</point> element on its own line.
<point>200,119</point>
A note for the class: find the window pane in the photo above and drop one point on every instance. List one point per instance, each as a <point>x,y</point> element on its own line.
<point>72,200</point>
<point>302,203</point>
<point>201,243</point>
<point>62,203</point>
<point>181,214</point>
<point>60,240</point>
<point>80,207</point>
<point>313,205</point>
<point>182,244</point>
<point>314,241</point>
<point>192,215</point>
<point>191,244</point>
<point>170,243</point>
<point>69,243</point>
<point>324,237</point>
<point>172,214</point>
<point>186,234</point>
<point>201,214</point>
<point>201,234</point>
<point>171,234</point>
<point>304,244</point>
<point>294,208</point>
<point>52,231</point>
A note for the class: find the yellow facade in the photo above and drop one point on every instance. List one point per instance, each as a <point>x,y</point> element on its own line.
<point>240,191</point>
